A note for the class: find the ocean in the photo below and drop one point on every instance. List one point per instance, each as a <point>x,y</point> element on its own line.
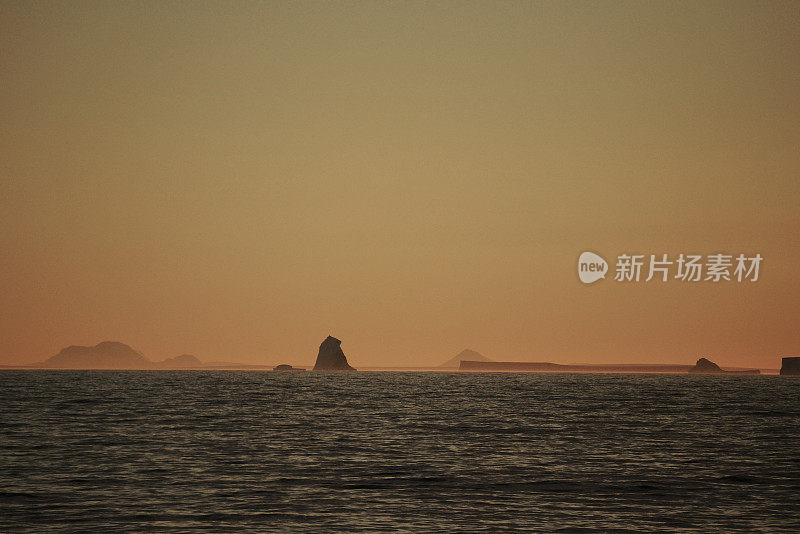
<point>255,451</point>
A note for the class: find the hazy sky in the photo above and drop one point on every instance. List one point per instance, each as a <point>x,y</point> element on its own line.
<point>237,180</point>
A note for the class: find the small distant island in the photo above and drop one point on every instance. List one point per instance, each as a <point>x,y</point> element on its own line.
<point>104,355</point>
<point>790,366</point>
<point>703,366</point>
<point>287,367</point>
<point>331,357</point>
<point>184,361</point>
<point>466,354</point>
<point>119,356</point>
<point>707,367</point>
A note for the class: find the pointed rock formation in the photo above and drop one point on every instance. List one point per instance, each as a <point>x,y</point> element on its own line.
<point>331,357</point>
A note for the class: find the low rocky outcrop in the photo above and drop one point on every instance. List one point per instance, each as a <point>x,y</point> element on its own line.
<point>790,366</point>
<point>331,357</point>
<point>549,367</point>
<point>704,366</point>
<point>184,361</point>
<point>286,367</point>
<point>707,367</point>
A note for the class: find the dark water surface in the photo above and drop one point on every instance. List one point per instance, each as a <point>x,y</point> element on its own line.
<point>101,451</point>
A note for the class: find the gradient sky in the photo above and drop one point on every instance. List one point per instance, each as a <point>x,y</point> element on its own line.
<point>237,180</point>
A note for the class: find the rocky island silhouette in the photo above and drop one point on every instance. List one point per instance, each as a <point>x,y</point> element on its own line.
<point>790,366</point>
<point>466,354</point>
<point>703,366</point>
<point>707,367</point>
<point>104,355</point>
<point>184,361</point>
<point>331,357</point>
<point>117,355</point>
<point>287,367</point>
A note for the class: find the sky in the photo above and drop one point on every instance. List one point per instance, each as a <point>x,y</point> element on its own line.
<point>238,180</point>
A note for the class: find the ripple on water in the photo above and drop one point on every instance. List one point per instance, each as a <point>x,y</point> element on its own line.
<point>228,450</point>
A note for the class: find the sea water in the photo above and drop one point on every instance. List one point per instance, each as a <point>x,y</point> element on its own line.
<point>217,451</point>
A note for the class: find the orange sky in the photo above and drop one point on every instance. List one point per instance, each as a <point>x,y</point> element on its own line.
<point>239,180</point>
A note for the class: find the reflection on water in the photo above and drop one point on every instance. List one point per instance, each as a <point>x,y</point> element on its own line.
<point>230,450</point>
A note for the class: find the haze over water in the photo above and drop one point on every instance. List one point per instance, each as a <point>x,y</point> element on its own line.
<point>234,180</point>
<point>379,451</point>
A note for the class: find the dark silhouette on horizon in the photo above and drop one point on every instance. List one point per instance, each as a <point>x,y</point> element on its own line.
<point>113,355</point>
<point>104,355</point>
<point>790,366</point>
<point>466,354</point>
<point>705,366</point>
<point>119,356</point>
<point>549,367</point>
<point>287,367</point>
<point>331,357</point>
<point>182,361</point>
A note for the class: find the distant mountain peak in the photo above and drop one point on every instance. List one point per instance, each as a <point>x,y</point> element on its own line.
<point>104,355</point>
<point>466,354</point>
<point>114,355</point>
